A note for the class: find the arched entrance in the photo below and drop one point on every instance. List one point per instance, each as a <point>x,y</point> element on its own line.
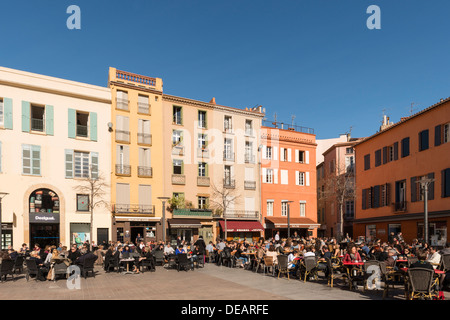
<point>44,209</point>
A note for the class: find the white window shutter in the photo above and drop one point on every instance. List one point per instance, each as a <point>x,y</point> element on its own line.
<point>264,175</point>
<point>264,152</point>
<point>307,157</point>
<point>275,175</point>
<point>307,178</point>
<point>275,153</point>
<point>297,174</point>
<point>290,155</point>
<point>282,154</point>
<point>296,156</point>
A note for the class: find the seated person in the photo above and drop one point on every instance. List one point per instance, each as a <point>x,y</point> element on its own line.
<point>390,261</point>
<point>422,262</point>
<point>73,254</point>
<point>352,255</point>
<point>180,249</point>
<point>434,257</point>
<point>85,256</point>
<point>42,269</point>
<point>168,250</point>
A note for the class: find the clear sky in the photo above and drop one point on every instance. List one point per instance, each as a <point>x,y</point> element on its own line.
<point>314,59</point>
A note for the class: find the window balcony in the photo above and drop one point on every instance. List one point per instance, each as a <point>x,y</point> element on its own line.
<point>145,172</point>
<point>241,214</point>
<point>144,108</point>
<point>82,131</point>
<point>203,213</point>
<point>228,156</point>
<point>249,158</point>
<point>37,124</point>
<point>133,209</point>
<point>203,181</point>
<point>202,153</point>
<point>179,179</point>
<point>400,206</point>
<point>122,104</point>
<point>229,183</point>
<point>250,185</point>
<point>145,138</point>
<point>123,170</point>
<point>122,136</point>
<point>178,150</point>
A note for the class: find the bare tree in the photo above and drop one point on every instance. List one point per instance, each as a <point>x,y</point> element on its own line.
<point>221,199</point>
<point>339,187</point>
<point>95,186</point>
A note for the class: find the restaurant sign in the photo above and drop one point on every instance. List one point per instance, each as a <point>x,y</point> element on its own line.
<point>38,217</point>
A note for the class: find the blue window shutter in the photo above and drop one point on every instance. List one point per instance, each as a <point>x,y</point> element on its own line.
<point>94,165</point>
<point>25,116</point>
<point>8,112</point>
<point>36,160</point>
<point>49,120</point>
<point>26,159</point>
<point>69,163</point>
<point>72,123</point>
<point>93,125</point>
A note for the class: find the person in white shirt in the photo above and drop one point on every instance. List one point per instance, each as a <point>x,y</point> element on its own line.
<point>277,236</point>
<point>309,252</point>
<point>168,250</point>
<point>434,257</point>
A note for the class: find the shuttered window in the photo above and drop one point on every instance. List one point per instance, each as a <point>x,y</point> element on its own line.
<point>405,147</point>
<point>423,140</point>
<point>31,160</point>
<point>367,162</point>
<point>378,158</point>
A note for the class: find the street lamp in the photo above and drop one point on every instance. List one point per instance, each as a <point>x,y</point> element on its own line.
<point>424,183</point>
<point>289,217</point>
<point>163,199</point>
<point>2,195</point>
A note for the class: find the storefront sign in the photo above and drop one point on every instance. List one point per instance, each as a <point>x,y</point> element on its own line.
<point>44,217</point>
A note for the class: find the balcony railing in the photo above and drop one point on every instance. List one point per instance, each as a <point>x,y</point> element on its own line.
<point>122,136</point>
<point>228,156</point>
<point>144,138</point>
<point>178,150</point>
<point>250,185</point>
<point>37,124</point>
<point>133,209</point>
<point>400,206</point>
<point>132,77</point>
<point>145,172</point>
<point>122,104</point>
<point>143,108</point>
<point>202,153</point>
<point>249,158</point>
<point>178,179</point>
<point>203,181</point>
<point>202,124</point>
<point>177,119</point>
<point>229,183</point>
<point>124,170</point>
<point>241,214</point>
<point>192,213</point>
<point>82,131</point>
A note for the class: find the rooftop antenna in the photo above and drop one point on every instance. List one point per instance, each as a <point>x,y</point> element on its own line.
<point>411,109</point>
<point>292,117</point>
<point>275,120</point>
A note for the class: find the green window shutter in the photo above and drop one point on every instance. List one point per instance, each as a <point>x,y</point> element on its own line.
<point>36,160</point>
<point>49,120</point>
<point>182,167</point>
<point>8,113</point>
<point>94,165</point>
<point>207,169</point>
<point>25,116</point>
<point>26,159</point>
<point>69,163</point>
<point>72,123</point>
<point>93,125</point>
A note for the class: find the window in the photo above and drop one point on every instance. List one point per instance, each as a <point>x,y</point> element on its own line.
<point>445,183</point>
<point>202,119</point>
<point>81,168</point>
<point>284,154</point>
<point>122,129</point>
<point>284,208</point>
<point>202,169</point>
<point>227,124</point>
<point>349,164</point>
<point>228,149</point>
<point>284,176</point>
<point>400,195</point>
<point>301,156</point>
<point>177,115</point>
<point>269,207</point>
<point>349,208</point>
<point>202,202</point>
<point>249,152</point>
<point>82,124</point>
<point>300,178</point>
<point>423,140</point>
<point>37,118</point>
<point>248,127</point>
<point>122,100</point>
<point>269,176</point>
<point>349,150</point>
<point>202,141</point>
<point>446,133</point>
<point>144,136</point>
<point>177,166</point>
<point>302,208</point>
<point>31,160</point>
<point>367,162</point>
<point>269,153</point>
<point>82,202</point>
<point>177,137</point>
<point>378,158</point>
<point>143,104</point>
<point>145,167</point>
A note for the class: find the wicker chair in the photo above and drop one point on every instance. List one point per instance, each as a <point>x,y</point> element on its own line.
<point>308,267</point>
<point>6,269</point>
<point>389,279</point>
<point>282,265</point>
<point>421,282</point>
<point>445,262</point>
<point>183,262</point>
<point>58,269</point>
<point>332,271</point>
<point>268,264</point>
<point>32,269</point>
<point>18,264</point>
<point>259,257</point>
<point>159,257</point>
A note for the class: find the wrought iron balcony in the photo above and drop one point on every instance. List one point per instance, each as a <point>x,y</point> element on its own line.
<point>145,172</point>
<point>133,209</point>
<point>241,214</point>
<point>192,213</point>
<point>37,124</point>
<point>250,185</point>
<point>124,170</point>
<point>229,183</point>
<point>203,181</point>
<point>228,156</point>
<point>249,158</point>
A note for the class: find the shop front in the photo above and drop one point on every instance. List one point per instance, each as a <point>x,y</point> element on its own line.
<point>132,229</point>
<point>7,235</point>
<point>302,227</point>
<point>239,230</point>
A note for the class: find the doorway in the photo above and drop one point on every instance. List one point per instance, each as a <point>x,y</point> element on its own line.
<point>134,233</point>
<point>44,234</point>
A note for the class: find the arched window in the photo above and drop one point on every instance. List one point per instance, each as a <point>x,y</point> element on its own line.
<point>44,200</point>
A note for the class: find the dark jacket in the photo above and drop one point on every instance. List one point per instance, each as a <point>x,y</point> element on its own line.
<point>86,258</point>
<point>73,255</point>
<point>201,245</point>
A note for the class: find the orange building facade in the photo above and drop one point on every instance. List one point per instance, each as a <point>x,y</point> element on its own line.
<point>388,166</point>
<point>288,181</point>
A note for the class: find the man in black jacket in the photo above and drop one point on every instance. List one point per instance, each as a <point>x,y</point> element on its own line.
<point>201,245</point>
<point>73,254</point>
<point>85,257</point>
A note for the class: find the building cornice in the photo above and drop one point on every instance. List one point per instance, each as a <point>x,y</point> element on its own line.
<point>134,87</point>
<point>278,137</point>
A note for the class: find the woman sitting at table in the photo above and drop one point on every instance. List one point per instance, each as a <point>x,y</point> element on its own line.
<point>180,249</point>
<point>239,255</point>
<point>352,255</point>
<point>272,253</point>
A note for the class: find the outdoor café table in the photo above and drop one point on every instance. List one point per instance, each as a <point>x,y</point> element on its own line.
<point>400,263</point>
<point>128,262</point>
<point>352,270</point>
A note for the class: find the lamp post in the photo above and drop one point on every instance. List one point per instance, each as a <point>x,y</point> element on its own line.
<point>163,199</point>
<point>289,217</point>
<point>2,195</point>
<point>424,183</point>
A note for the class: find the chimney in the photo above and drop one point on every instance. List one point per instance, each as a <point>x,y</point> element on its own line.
<point>385,123</point>
<point>213,100</point>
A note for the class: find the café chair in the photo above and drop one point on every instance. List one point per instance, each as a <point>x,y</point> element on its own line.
<point>18,264</point>
<point>32,269</point>
<point>58,269</point>
<point>88,266</point>
<point>421,282</point>
<point>183,262</point>
<point>390,279</point>
<point>268,264</point>
<point>369,270</point>
<point>6,268</point>
<point>159,257</point>
<point>283,265</point>
<point>412,260</point>
<point>445,262</point>
<point>308,267</point>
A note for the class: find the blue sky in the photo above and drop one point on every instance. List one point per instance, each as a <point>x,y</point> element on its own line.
<point>314,59</point>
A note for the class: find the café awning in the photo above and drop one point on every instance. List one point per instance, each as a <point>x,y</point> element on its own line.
<point>242,226</point>
<point>281,222</point>
<point>184,223</point>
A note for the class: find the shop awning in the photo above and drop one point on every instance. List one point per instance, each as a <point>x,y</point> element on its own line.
<point>242,226</point>
<point>281,222</point>
<point>184,223</point>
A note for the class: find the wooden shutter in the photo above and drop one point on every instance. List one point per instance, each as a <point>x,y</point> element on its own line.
<point>49,122</point>
<point>8,113</point>
<point>275,175</point>
<point>413,189</point>
<point>378,158</point>
<point>26,159</point>
<point>36,160</point>
<point>385,155</point>
<point>94,165</point>
<point>72,123</point>
<point>26,116</point>
<point>93,126</point>
<point>437,135</point>
<point>307,157</point>
<point>289,155</point>
<point>364,199</point>
<point>69,163</point>
<point>0,156</point>
<point>405,147</point>
<point>387,197</point>
<point>396,151</point>
<point>275,153</point>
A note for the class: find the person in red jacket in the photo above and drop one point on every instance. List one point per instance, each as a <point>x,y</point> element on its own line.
<point>352,255</point>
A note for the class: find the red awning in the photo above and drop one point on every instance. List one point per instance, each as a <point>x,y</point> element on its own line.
<point>242,226</point>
